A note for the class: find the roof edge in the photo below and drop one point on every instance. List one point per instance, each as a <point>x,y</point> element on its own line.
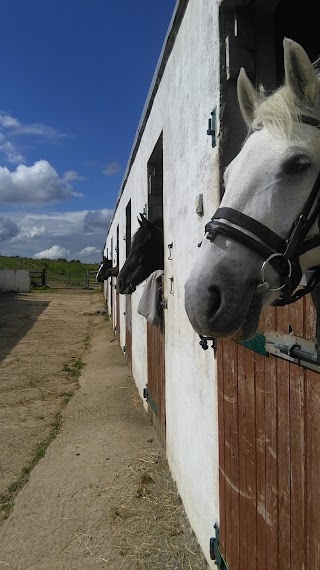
<point>166,50</point>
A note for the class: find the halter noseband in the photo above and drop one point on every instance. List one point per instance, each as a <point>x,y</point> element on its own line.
<point>282,254</point>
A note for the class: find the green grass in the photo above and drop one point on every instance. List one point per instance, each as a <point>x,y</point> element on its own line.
<point>74,369</point>
<point>7,498</point>
<point>57,269</point>
<point>52,265</point>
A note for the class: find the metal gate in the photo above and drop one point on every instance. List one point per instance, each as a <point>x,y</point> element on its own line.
<point>269,438</point>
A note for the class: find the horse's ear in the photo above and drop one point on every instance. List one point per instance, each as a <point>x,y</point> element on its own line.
<point>144,221</point>
<point>248,97</point>
<point>299,73</point>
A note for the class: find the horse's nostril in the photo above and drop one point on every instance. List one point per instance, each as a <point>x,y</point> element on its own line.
<point>119,285</point>
<point>214,300</point>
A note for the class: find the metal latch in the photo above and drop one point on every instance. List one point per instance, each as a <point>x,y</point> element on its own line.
<point>215,553</point>
<point>299,350</point>
<point>295,351</point>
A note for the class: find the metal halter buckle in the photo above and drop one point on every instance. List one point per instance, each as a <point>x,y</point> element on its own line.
<point>264,285</point>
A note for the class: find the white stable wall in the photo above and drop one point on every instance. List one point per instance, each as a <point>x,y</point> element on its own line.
<point>188,92</point>
<point>15,280</point>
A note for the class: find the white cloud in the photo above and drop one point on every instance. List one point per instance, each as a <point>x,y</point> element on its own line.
<point>9,122</point>
<point>97,219</point>
<point>72,176</point>
<point>8,229</point>
<point>90,252</point>
<point>111,168</point>
<point>10,128</point>
<point>11,153</point>
<point>39,183</point>
<point>54,252</point>
<point>16,127</point>
<point>36,232</point>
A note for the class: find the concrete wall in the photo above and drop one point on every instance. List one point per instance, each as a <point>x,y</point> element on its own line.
<point>188,92</point>
<point>17,280</point>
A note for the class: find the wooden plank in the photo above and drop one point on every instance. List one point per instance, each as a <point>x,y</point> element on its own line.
<point>229,473</point>
<point>232,403</point>
<point>271,451</point>
<point>118,316</point>
<point>310,318</point>
<point>246,374</point>
<point>242,403</point>
<point>284,455</point>
<point>221,435</point>
<point>312,528</point>
<point>311,550</point>
<point>261,538</point>
<point>297,442</point>
<point>128,333</point>
<point>297,451</point>
<point>156,378</point>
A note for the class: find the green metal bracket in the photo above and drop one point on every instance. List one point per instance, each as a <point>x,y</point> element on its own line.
<point>215,553</point>
<point>257,344</point>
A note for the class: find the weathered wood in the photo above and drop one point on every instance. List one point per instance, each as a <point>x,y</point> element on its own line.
<point>284,449</point>
<point>128,333</point>
<point>269,434</point>
<point>271,452</point>
<point>118,317</point>
<point>261,461</point>
<point>156,379</point>
<point>312,490</point>
<point>229,473</point>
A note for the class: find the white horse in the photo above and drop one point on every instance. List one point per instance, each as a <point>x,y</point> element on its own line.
<point>265,235</point>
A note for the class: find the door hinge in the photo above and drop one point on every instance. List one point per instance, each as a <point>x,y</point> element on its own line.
<point>212,128</point>
<point>215,553</point>
<point>147,396</point>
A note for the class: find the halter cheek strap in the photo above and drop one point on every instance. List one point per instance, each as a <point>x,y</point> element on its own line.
<point>282,254</point>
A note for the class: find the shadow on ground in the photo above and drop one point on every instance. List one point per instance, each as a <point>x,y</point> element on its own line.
<point>16,319</point>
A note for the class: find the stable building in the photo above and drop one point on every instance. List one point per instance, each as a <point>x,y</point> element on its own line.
<point>239,424</point>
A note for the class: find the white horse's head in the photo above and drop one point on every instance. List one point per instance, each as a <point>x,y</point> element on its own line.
<point>269,182</point>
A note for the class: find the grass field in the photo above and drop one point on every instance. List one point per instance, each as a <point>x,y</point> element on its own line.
<point>58,270</point>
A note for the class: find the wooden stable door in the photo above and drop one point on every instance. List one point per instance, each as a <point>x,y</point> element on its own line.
<point>128,333</point>
<point>118,316</point>
<point>269,445</point>
<point>156,380</point>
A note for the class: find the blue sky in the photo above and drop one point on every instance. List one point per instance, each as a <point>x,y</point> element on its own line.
<point>74,78</point>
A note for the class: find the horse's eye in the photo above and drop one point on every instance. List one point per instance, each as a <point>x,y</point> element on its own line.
<point>297,164</point>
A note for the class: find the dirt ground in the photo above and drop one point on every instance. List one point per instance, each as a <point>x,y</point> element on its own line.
<point>83,480</point>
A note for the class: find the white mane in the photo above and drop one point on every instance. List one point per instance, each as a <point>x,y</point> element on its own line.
<point>280,111</point>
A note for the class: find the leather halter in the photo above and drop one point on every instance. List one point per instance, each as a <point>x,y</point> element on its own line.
<point>282,254</point>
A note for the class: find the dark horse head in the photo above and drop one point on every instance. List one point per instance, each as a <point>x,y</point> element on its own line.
<point>146,255</point>
<point>106,270</point>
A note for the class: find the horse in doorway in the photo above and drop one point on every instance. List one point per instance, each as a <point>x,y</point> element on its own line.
<point>146,255</point>
<point>103,268</point>
<point>265,235</point>
<point>106,270</point>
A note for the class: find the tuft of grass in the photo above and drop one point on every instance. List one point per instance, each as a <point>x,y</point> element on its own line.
<point>87,341</point>
<point>74,369</point>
